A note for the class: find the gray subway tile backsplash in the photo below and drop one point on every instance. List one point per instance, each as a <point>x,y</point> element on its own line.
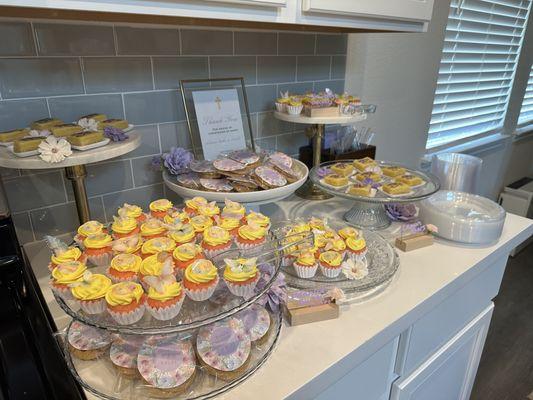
<point>75,40</point>
<point>141,84</point>
<point>117,74</point>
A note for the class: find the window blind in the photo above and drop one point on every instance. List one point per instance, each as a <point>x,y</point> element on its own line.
<point>481,48</point>
<point>526,112</point>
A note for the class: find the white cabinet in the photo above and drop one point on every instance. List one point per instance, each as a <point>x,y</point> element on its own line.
<point>265,3</point>
<point>449,373</point>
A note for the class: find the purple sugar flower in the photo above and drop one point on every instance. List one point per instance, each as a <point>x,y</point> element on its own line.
<point>276,295</point>
<point>401,212</point>
<point>177,160</point>
<point>157,163</point>
<point>115,134</point>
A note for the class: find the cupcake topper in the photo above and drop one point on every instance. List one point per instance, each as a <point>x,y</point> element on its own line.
<point>122,213</point>
<point>88,124</point>
<point>55,245</point>
<point>284,95</point>
<point>86,280</point>
<point>241,264</point>
<point>126,243</point>
<point>159,282</point>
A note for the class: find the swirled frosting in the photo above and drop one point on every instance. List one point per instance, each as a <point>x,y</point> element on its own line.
<point>124,225</point>
<point>160,205</point>
<point>331,258</point>
<point>201,271</point>
<point>229,223</point>
<point>157,245</point>
<point>306,258</point>
<point>130,210</point>
<point>252,232</point>
<point>170,291</point>
<point>215,235</point>
<point>152,265</point>
<point>356,244</point>
<point>71,254</point>
<point>126,262</point>
<point>92,288</point>
<point>347,232</point>
<point>152,227</point>
<point>232,207</point>
<point>201,222</point>
<point>68,272</point>
<point>187,252</point>
<point>98,241</point>
<point>195,202</point>
<point>240,270</point>
<point>176,216</point>
<point>90,228</point>
<point>258,219</point>
<point>124,293</point>
<point>209,210</point>
<point>185,233</point>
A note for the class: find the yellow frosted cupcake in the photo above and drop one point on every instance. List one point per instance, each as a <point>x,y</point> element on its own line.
<point>231,223</point>
<point>160,208</point>
<point>98,249</point>
<point>185,254</point>
<point>200,223</point>
<point>241,276</point>
<point>126,302</point>
<point>317,223</point>
<point>209,209</point>
<point>63,255</point>
<point>348,232</point>
<point>65,274</point>
<point>192,205</point>
<point>156,265</point>
<point>157,245</point>
<point>356,247</point>
<point>233,209</point>
<point>87,229</point>
<point>124,267</point>
<point>330,263</point>
<point>176,216</point>
<point>200,280</point>
<point>305,264</point>
<point>215,240</point>
<point>124,226</point>
<point>182,233</point>
<point>165,297</point>
<point>258,219</point>
<point>132,211</point>
<point>250,236</point>
<point>91,291</point>
<point>153,228</point>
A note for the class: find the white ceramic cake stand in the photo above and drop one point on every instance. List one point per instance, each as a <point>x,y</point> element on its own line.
<point>74,166</point>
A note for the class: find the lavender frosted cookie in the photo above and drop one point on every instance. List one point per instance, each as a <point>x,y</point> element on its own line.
<point>87,342</point>
<point>246,157</point>
<point>216,185</point>
<point>256,321</point>
<point>224,348</point>
<point>281,158</point>
<point>204,168</point>
<point>124,351</point>
<point>190,180</point>
<point>226,165</point>
<point>269,178</point>
<point>290,174</point>
<point>167,363</point>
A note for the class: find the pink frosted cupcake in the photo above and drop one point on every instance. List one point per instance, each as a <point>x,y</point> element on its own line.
<point>241,276</point>
<point>91,292</point>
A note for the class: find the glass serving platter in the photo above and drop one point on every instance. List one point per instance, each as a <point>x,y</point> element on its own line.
<point>101,378</point>
<point>193,314</point>
<point>381,259</point>
<point>369,212</point>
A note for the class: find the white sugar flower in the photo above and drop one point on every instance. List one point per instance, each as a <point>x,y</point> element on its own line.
<point>88,124</point>
<point>54,150</point>
<point>36,133</point>
<point>354,269</point>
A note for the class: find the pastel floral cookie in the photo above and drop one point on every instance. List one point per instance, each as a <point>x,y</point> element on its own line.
<point>86,342</point>
<point>256,321</point>
<point>123,353</point>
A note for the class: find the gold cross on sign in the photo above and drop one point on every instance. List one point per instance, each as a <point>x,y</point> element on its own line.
<point>218,100</point>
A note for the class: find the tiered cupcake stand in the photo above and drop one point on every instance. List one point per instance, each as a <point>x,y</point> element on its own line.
<point>101,378</point>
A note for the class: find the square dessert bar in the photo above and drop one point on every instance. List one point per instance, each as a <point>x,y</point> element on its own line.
<point>393,171</point>
<point>360,190</point>
<point>27,144</point>
<point>45,123</point>
<point>85,138</point>
<point>96,117</point>
<point>396,188</point>
<point>115,123</point>
<point>368,175</point>
<point>9,136</point>
<point>363,163</point>
<point>411,180</point>
<point>65,130</point>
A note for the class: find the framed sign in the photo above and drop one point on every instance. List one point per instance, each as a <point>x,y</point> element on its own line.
<point>217,114</point>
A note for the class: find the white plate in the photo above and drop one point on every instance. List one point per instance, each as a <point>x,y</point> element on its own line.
<point>92,145</point>
<point>24,153</point>
<point>257,198</point>
<point>6,144</point>
<point>129,128</point>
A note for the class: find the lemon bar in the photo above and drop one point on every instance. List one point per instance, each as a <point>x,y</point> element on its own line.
<point>393,171</point>
<point>410,180</point>
<point>65,130</point>
<point>343,169</point>
<point>360,190</point>
<point>368,175</point>
<point>115,123</point>
<point>363,163</point>
<point>9,136</point>
<point>45,123</point>
<point>396,188</point>
<point>96,117</point>
<point>85,138</point>
<point>336,180</point>
<point>27,144</point>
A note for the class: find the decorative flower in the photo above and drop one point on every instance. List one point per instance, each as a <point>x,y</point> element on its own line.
<point>432,228</point>
<point>369,181</point>
<point>88,124</point>
<point>354,269</point>
<point>322,171</point>
<point>54,150</point>
<point>115,134</point>
<point>36,133</point>
<point>413,228</point>
<point>276,295</point>
<point>177,161</point>
<point>401,212</point>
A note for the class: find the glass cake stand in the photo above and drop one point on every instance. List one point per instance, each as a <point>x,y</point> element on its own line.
<point>369,212</point>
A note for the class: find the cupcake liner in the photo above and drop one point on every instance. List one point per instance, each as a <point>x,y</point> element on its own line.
<point>100,260</point>
<point>166,313</point>
<point>305,272</point>
<point>294,110</point>
<point>358,256</point>
<point>51,267</point>
<point>202,294</point>
<point>117,279</point>
<point>63,292</point>
<point>79,241</point>
<point>215,252</point>
<point>281,107</point>
<point>249,246</point>
<point>93,306</point>
<point>330,272</point>
<point>129,317</point>
<point>241,290</point>
<point>286,261</point>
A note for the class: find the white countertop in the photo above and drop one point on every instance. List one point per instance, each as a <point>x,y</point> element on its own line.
<point>426,276</point>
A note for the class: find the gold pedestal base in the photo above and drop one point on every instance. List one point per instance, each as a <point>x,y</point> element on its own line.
<point>310,191</point>
<point>76,174</point>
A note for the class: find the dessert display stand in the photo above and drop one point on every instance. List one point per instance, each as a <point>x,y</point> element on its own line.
<point>74,166</point>
<point>309,190</point>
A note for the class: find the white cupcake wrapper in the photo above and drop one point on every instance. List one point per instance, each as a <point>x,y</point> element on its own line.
<point>116,279</point>
<point>64,293</point>
<point>203,294</point>
<point>359,256</point>
<point>305,272</point>
<point>100,260</point>
<point>245,291</point>
<point>128,318</point>
<point>330,272</point>
<point>249,246</point>
<point>165,313</point>
<point>280,107</point>
<point>287,261</point>
<point>94,306</point>
<point>294,110</point>
<point>213,253</point>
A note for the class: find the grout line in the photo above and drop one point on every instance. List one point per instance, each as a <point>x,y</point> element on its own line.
<point>103,207</point>
<point>256,69</point>
<point>233,42</point>
<point>82,68</point>
<point>180,44</point>
<point>209,67</point>
<point>31,226</point>
<point>277,43</point>
<point>123,106</point>
<point>159,139</point>
<point>115,41</point>
<point>295,71</point>
<point>153,72</point>
<point>131,171</point>
<point>35,39</point>
<point>330,67</point>
<point>48,107</point>
<point>316,44</point>
<point>64,185</point>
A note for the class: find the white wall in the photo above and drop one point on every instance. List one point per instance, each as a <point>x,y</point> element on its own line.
<point>398,72</point>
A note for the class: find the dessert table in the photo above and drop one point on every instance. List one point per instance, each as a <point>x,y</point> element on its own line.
<point>74,166</point>
<point>423,334</point>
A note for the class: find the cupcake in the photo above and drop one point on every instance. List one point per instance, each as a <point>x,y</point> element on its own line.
<point>200,223</point>
<point>155,265</point>
<point>98,249</point>
<point>256,321</point>
<point>234,209</point>
<point>305,264</point>
<point>132,211</point>
<point>167,365</point>
<point>317,224</point>
<point>209,209</point>
<point>330,263</point>
<point>192,205</point>
<point>65,274</point>
<point>294,107</point>
<point>64,255</point>
<point>200,280</point>
<point>224,348</point>
<point>165,297</point>
<point>87,342</point>
<point>185,254</point>
<point>160,208</point>
<point>281,104</point>
<point>125,302</point>
<point>347,232</point>
<point>250,236</point>
<point>175,216</point>
<point>230,223</point>
<point>215,240</point>
<point>123,227</point>
<point>128,245</point>
<point>241,276</point>
<point>153,228</point>
<point>87,229</point>
<point>123,353</point>
<point>90,292</point>
<point>336,244</point>
<point>124,267</point>
<point>356,247</point>
<point>157,245</point>
<point>182,233</point>
<point>258,219</point>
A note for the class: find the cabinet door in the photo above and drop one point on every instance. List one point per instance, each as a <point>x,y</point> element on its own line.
<point>418,10</point>
<point>450,372</point>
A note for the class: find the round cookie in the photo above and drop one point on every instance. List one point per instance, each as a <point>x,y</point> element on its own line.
<point>269,178</point>
<point>226,165</point>
<point>246,157</point>
<point>167,364</point>
<point>216,185</point>
<point>256,321</point>
<point>204,168</point>
<point>87,342</point>
<point>123,353</point>
<point>190,180</point>
<point>224,348</point>
<point>280,158</point>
